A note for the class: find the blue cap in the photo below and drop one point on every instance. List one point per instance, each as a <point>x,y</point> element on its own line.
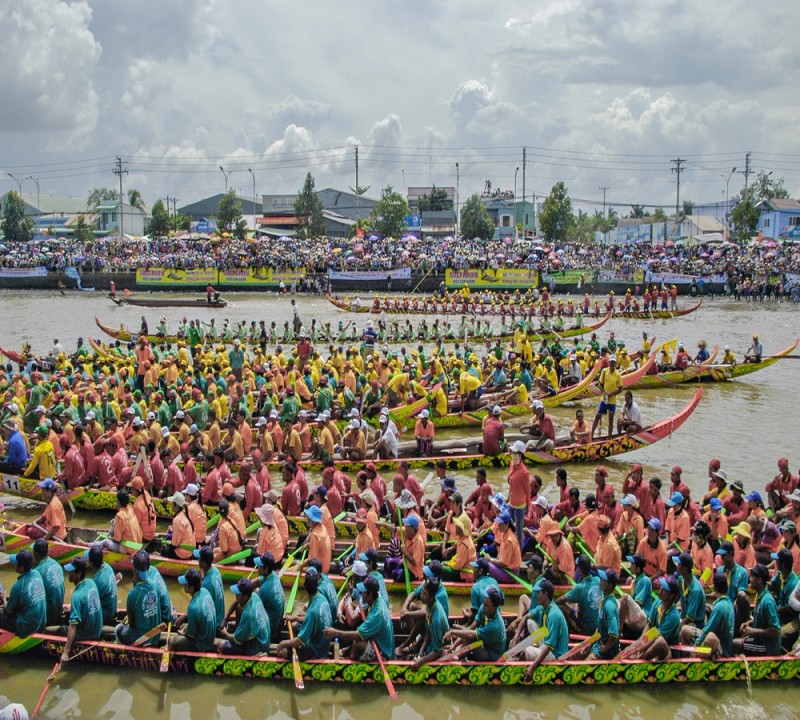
<point>196,553</point>
<point>243,586</point>
<point>675,499</point>
<point>655,524</point>
<point>182,580</point>
<point>47,484</point>
<point>754,496</point>
<point>715,503</point>
<point>313,513</point>
<point>721,551</point>
<point>428,573</point>
<point>505,517</point>
<point>361,587</point>
<point>411,521</point>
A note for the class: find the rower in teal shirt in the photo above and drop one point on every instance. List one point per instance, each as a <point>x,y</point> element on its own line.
<point>378,624</point>
<point>142,606</point>
<point>313,643</point>
<point>270,592</point>
<point>720,621</point>
<point>587,595</point>
<point>736,574</point>
<point>784,581</point>
<point>53,580</point>
<point>25,611</point>
<point>106,582</point>
<point>693,597</point>
<point>765,627</point>
<point>85,613</point>
<point>490,628</point>
<point>607,646</point>
<point>252,631</point>
<point>483,581</point>
<point>433,571</point>
<point>201,619</point>
<point>212,581</point>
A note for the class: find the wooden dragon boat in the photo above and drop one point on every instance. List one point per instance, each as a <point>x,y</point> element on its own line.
<point>596,451</point>
<point>721,373</point>
<point>22,359</point>
<point>656,314</point>
<point>669,378</point>
<point>461,672</point>
<point>14,539</point>
<point>152,302</point>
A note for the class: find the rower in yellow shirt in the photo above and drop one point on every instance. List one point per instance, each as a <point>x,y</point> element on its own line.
<point>469,388</point>
<point>438,401</point>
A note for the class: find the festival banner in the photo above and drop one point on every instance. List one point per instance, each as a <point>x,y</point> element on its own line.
<point>176,276</point>
<point>682,279</point>
<point>23,272</point>
<point>512,278</point>
<point>370,275</point>
<point>568,277</point>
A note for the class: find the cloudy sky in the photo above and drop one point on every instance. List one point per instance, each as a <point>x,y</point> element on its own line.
<point>601,93</point>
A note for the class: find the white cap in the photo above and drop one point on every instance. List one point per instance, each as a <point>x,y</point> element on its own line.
<point>177,499</point>
<point>179,415</point>
<point>191,489</point>
<point>360,568</point>
<point>541,501</point>
<point>138,422</point>
<point>150,416</point>
<point>90,415</point>
<point>164,432</point>
<point>496,410</point>
<point>354,413</point>
<point>384,411</point>
<point>273,414</point>
<point>537,404</point>
<point>13,408</point>
<point>303,413</point>
<point>40,409</point>
<point>354,425</point>
<point>236,341</point>
<point>518,447</point>
<point>424,414</point>
<point>261,422</point>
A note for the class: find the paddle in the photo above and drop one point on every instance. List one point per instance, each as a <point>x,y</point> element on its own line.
<point>553,564</point>
<point>232,559</point>
<point>165,655</point>
<point>634,649</point>
<point>522,645</point>
<point>48,683</point>
<point>149,635</point>
<point>581,647</point>
<point>293,593</point>
<point>462,651</point>
<point>288,562</point>
<point>298,673</point>
<point>212,521</point>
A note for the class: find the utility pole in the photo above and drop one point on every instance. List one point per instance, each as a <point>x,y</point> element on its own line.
<point>678,169</point>
<point>458,211</point>
<point>358,196</point>
<point>524,214</point>
<point>119,170</point>
<point>604,188</point>
<point>250,170</point>
<point>747,171</point>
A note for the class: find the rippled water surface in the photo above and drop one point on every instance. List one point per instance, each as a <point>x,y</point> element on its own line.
<point>748,424</point>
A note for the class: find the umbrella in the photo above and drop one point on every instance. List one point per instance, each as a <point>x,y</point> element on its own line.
<point>769,256</point>
<point>619,253</point>
<point>716,256</point>
<point>583,251</point>
<point>704,255</point>
<point>670,243</point>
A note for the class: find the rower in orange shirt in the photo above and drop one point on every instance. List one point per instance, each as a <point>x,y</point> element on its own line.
<point>319,542</point>
<point>652,549</point>
<point>459,565</point>
<point>53,521</point>
<point>414,549</point>
<point>678,525</point>
<point>509,554</point>
<point>269,538</point>
<point>608,554</point>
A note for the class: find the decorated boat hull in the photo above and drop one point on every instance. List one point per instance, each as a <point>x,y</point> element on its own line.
<point>169,302</point>
<point>656,314</point>
<point>587,672</point>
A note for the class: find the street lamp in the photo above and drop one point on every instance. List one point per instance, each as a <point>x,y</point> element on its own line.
<point>222,169</point>
<point>17,180</point>
<point>515,204</point>
<point>38,194</point>
<point>254,200</point>
<point>727,197</point>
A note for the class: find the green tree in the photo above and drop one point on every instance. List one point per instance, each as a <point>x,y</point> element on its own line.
<point>744,216</point>
<point>475,219</point>
<point>160,221</point>
<point>637,211</point>
<point>765,188</point>
<point>229,212</point>
<point>688,207</point>
<point>98,195</point>
<point>17,226</point>
<point>388,216</point>
<point>181,222</point>
<point>437,200</point>
<point>556,219</point>
<point>135,199</point>
<point>83,231</point>
<point>583,228</point>
<point>308,211</point>
<point>660,215</point>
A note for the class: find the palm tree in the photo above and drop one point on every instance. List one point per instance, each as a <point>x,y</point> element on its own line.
<point>135,199</point>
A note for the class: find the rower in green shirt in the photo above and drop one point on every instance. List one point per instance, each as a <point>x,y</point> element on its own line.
<point>53,580</point>
<point>212,581</point>
<point>488,627</point>
<point>556,641</point>
<point>608,617</point>
<point>665,617</point>
<point>86,614</point>
<point>251,635</point>
<point>106,582</point>
<point>436,627</point>
<point>197,629</point>
<point>760,635</point>
<point>311,641</point>
<point>270,592</point>
<point>717,634</point>
<point>25,610</point>
<point>142,606</point>
<point>693,597</point>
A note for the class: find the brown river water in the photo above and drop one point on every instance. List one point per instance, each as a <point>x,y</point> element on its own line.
<point>748,424</point>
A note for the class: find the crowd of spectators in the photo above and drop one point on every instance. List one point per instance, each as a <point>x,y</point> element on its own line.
<point>758,262</point>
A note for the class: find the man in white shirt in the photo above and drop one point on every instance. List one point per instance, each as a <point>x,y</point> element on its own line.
<point>630,420</point>
<point>387,445</point>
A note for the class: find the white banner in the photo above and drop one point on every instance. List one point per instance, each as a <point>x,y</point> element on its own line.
<point>23,272</point>
<point>681,279</point>
<point>370,275</point>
